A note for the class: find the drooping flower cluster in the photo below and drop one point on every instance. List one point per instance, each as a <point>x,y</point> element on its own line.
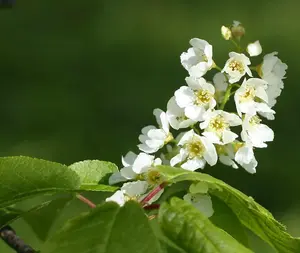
<point>206,132</point>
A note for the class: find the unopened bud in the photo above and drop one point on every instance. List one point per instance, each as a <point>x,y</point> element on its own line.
<point>254,49</point>
<point>237,30</point>
<point>226,32</point>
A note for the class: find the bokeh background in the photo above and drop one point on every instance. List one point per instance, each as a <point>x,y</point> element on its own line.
<point>79,79</point>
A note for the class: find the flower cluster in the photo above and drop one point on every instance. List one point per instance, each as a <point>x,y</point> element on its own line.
<point>205,132</point>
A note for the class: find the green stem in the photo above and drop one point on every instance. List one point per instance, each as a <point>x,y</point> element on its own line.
<point>226,97</point>
<point>195,129</point>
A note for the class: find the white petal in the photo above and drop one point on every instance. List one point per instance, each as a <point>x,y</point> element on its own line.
<point>145,148</point>
<point>128,159</point>
<point>259,134</point>
<point>232,119</point>
<point>194,112</point>
<point>186,137</point>
<point>244,155</point>
<point>210,154</point>
<point>193,164</point>
<point>228,136</point>
<point>227,161</point>
<point>254,49</point>
<point>179,157</point>
<point>128,173</point>
<point>136,188</point>
<point>117,197</point>
<point>142,163</point>
<point>212,137</point>
<point>116,178</point>
<point>184,96</point>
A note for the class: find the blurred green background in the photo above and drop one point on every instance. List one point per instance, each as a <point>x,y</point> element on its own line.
<point>79,79</point>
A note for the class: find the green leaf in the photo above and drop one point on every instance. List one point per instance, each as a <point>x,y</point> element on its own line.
<point>45,215</point>
<point>224,218</point>
<point>106,229</point>
<point>98,188</point>
<point>168,248</point>
<point>194,232</point>
<point>24,177</point>
<point>252,215</point>
<point>7,215</point>
<point>10,214</point>
<point>93,171</point>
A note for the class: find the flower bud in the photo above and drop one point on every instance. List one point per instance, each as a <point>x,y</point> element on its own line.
<point>254,49</point>
<point>237,30</point>
<point>226,32</point>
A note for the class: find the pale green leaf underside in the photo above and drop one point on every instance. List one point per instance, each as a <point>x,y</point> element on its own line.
<point>106,229</point>
<point>93,171</point>
<point>194,232</point>
<point>251,214</point>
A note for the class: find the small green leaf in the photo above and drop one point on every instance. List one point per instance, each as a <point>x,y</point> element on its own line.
<point>194,232</point>
<point>45,215</point>
<point>93,171</point>
<point>252,215</point>
<point>106,229</point>
<point>24,177</point>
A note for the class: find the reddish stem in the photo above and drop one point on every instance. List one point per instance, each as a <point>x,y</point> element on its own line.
<point>85,200</point>
<point>152,194</point>
<point>152,207</point>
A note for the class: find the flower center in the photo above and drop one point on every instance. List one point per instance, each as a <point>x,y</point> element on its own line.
<point>218,124</point>
<point>203,97</point>
<point>235,65</point>
<point>168,138</point>
<point>220,149</point>
<point>195,148</point>
<point>249,94</point>
<point>254,120</point>
<point>153,177</point>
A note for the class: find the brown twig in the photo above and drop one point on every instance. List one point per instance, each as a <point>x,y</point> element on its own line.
<point>86,201</point>
<point>8,235</point>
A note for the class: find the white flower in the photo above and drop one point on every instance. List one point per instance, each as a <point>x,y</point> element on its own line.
<point>254,49</point>
<point>129,191</point>
<point>198,59</point>
<point>153,138</point>
<point>176,116</point>
<point>226,155</point>
<point>237,66</point>
<point>251,97</point>
<point>196,98</point>
<point>195,152</point>
<point>255,132</point>
<point>245,157</point>
<point>217,126</point>
<point>272,65</point>
<point>221,84</point>
<point>202,202</point>
<point>144,162</point>
<point>226,32</point>
<point>272,70</point>
<point>126,173</point>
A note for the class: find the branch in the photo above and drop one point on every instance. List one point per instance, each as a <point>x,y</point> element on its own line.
<point>9,236</point>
